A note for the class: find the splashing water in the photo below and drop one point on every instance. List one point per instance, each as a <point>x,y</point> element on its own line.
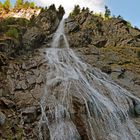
<point>81,102</point>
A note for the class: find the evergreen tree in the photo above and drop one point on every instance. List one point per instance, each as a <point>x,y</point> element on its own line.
<point>7,5</point>
<point>75,11</point>
<point>107,12</point>
<point>32,5</point>
<point>26,5</point>
<point>18,4</point>
<point>60,12</point>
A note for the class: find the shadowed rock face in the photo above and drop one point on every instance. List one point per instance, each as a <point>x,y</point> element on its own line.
<point>109,45</point>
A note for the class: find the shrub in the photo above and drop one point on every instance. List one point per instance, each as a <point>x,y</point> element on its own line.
<point>128,24</point>
<point>12,32</point>
<point>75,11</point>
<point>7,5</point>
<point>31,5</point>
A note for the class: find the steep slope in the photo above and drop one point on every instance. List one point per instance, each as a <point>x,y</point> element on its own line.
<point>110,45</point>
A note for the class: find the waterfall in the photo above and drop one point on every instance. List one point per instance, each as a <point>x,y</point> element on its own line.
<point>81,102</point>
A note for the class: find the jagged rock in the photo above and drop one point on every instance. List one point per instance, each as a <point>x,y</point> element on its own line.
<point>39,79</point>
<point>7,103</point>
<point>29,64</point>
<point>137,81</point>
<point>23,85</point>
<point>71,26</point>
<point>34,37</point>
<point>137,109</point>
<point>29,114</point>
<point>2,119</point>
<point>106,69</point>
<point>31,79</point>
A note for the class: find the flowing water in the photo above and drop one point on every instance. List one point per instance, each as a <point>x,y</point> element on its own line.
<point>81,102</point>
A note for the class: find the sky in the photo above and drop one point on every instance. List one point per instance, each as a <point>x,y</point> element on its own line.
<point>128,9</point>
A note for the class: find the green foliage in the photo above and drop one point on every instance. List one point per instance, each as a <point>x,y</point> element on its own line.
<point>60,12</point>
<point>128,24</point>
<point>32,5</point>
<point>18,4</point>
<point>7,5</point>
<point>12,32</point>
<point>75,11</point>
<point>107,12</point>
<point>1,4</point>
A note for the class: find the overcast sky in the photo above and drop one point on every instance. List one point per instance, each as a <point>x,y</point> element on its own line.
<point>94,5</point>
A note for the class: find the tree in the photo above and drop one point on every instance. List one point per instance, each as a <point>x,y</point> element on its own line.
<point>0,4</point>
<point>107,12</point>
<point>60,12</point>
<point>18,4</point>
<point>7,5</point>
<point>26,5</point>
<point>75,11</point>
<point>32,5</point>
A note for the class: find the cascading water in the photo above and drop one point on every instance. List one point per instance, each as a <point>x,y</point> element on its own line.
<point>81,102</point>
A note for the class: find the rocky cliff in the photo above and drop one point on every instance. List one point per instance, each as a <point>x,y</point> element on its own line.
<point>108,44</point>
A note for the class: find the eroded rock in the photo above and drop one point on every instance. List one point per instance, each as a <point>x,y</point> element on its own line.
<point>2,119</point>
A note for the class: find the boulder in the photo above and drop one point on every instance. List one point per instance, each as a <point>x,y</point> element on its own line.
<point>7,103</point>
<point>137,109</point>
<point>29,114</point>
<point>2,119</point>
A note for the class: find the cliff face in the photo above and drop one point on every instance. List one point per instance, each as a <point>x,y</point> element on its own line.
<point>110,45</point>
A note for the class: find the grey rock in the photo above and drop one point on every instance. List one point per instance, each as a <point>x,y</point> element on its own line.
<point>24,85</point>
<point>39,79</point>
<point>29,114</point>
<point>2,119</point>
<point>31,79</point>
<point>72,27</point>
<point>137,109</point>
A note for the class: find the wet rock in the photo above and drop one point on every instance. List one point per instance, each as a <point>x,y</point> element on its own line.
<point>117,68</point>
<point>137,109</point>
<point>29,114</point>
<point>106,69</point>
<point>137,81</point>
<point>2,119</point>
<point>30,64</point>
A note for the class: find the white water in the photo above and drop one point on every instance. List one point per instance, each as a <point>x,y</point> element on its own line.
<point>80,100</point>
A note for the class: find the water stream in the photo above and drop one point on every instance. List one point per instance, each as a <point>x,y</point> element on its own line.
<point>81,102</point>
